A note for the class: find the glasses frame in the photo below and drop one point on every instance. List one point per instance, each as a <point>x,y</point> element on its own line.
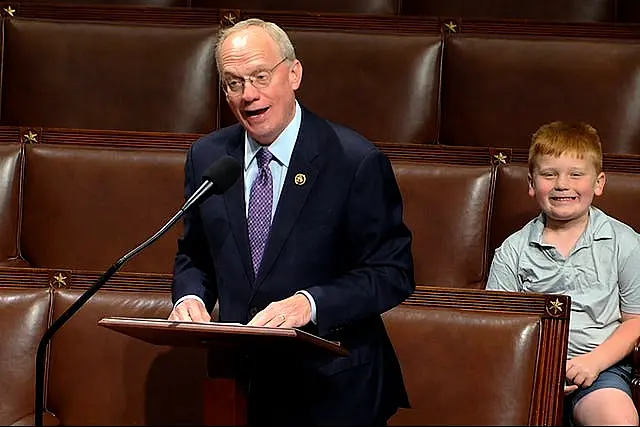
<point>251,79</point>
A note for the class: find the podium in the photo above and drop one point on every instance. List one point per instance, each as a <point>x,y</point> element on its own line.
<point>224,392</point>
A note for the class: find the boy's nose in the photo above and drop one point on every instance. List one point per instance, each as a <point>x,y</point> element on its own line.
<point>562,182</point>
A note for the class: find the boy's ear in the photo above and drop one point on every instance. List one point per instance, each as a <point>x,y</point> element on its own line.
<point>599,185</point>
<point>532,189</point>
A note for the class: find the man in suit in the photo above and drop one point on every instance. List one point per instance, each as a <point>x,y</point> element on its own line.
<point>311,237</point>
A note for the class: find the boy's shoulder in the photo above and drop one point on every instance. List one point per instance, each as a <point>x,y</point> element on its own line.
<point>605,225</point>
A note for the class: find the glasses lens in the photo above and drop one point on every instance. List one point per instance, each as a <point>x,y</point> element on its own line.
<point>262,79</point>
<point>232,87</point>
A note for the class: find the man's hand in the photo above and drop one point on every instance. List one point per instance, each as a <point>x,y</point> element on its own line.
<point>293,312</point>
<point>582,370</point>
<point>189,310</point>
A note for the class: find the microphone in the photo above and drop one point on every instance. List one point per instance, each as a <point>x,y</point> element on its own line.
<point>216,180</point>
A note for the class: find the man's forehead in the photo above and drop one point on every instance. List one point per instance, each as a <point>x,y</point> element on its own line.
<point>238,40</point>
<point>248,46</point>
<point>247,37</point>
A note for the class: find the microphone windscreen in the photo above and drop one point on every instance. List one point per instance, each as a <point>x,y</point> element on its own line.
<point>222,173</point>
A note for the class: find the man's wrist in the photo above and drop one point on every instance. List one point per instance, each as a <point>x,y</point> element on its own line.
<point>186,297</point>
<point>312,303</point>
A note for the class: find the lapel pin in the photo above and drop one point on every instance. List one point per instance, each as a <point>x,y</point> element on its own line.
<point>300,179</point>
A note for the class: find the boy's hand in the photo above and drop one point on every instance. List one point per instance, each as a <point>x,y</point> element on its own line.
<point>582,371</point>
<point>568,389</point>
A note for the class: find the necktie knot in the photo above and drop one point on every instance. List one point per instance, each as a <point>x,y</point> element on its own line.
<point>263,157</point>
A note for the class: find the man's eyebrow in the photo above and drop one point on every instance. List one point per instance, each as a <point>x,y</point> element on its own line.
<point>256,71</point>
<point>230,74</point>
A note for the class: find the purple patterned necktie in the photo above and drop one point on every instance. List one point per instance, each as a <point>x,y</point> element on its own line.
<point>260,202</point>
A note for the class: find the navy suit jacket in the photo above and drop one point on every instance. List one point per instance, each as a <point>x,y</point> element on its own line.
<point>340,236</point>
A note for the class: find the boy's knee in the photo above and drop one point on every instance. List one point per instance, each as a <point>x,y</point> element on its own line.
<point>607,406</point>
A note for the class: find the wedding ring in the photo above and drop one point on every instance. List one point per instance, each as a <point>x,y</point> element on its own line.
<point>283,318</point>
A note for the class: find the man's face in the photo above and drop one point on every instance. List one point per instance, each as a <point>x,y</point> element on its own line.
<point>564,186</point>
<point>264,112</point>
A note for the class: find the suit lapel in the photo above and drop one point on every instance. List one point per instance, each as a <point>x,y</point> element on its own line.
<point>305,162</point>
<point>235,204</point>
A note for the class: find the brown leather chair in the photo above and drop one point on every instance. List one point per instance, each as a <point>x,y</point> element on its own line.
<point>100,377</point>
<point>95,376</point>
<point>497,90</point>
<point>98,75</point>
<point>10,168</point>
<point>341,6</point>
<point>84,207</point>
<point>477,357</point>
<point>23,320</point>
<point>543,10</point>
<point>156,3</point>
<point>432,193</point>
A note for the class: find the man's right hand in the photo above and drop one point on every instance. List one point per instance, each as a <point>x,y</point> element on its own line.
<point>190,310</point>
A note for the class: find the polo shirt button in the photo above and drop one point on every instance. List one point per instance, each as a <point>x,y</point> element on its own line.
<point>253,311</point>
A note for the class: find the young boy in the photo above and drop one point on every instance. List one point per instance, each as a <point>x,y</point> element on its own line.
<point>576,249</point>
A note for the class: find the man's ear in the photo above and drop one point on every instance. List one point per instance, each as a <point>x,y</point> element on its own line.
<point>599,185</point>
<point>295,75</point>
<point>532,189</point>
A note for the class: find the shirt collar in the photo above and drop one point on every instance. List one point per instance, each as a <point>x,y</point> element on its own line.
<point>281,148</point>
<point>596,227</point>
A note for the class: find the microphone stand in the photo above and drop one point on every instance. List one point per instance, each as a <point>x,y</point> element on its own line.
<point>44,342</point>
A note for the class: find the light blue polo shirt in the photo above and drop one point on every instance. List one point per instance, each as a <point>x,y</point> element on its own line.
<point>601,274</point>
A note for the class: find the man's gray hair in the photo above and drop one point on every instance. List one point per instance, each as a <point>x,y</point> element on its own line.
<point>275,32</point>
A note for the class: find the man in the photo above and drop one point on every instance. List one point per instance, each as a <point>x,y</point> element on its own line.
<point>311,237</point>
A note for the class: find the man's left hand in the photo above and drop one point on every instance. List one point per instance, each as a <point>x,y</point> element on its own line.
<point>292,312</point>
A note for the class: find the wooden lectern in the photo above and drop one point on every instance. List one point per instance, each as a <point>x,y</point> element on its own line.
<point>225,397</point>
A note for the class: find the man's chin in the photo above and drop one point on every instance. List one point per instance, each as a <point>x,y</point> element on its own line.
<point>261,136</point>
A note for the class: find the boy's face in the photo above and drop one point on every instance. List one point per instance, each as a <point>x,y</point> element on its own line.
<point>564,186</point>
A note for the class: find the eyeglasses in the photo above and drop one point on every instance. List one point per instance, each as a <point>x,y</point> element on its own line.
<point>260,79</point>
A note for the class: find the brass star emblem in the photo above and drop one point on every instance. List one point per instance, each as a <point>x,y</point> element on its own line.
<point>556,306</point>
<point>10,11</point>
<point>451,26</point>
<point>59,280</point>
<point>30,137</point>
<point>500,158</point>
<point>230,19</point>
